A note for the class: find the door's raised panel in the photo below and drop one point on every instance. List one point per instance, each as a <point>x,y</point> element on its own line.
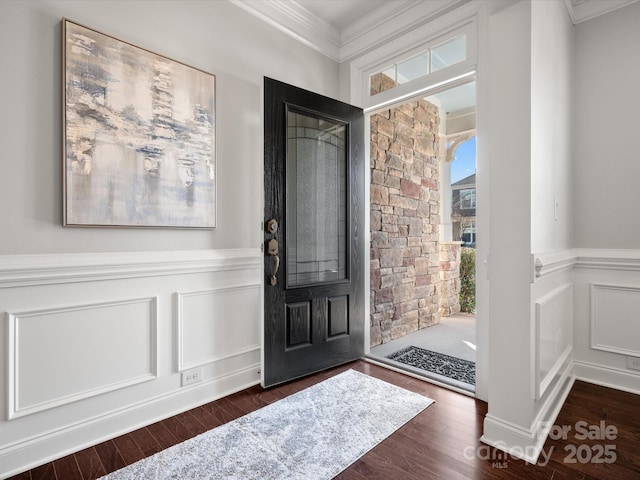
<point>298,324</point>
<point>338,321</point>
<point>61,355</point>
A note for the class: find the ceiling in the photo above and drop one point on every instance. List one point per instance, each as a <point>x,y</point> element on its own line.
<point>341,13</point>
<point>457,99</point>
<point>343,18</point>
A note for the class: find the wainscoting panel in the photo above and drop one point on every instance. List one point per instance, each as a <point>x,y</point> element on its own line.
<point>217,324</point>
<point>553,336</point>
<point>615,322</point>
<point>93,344</point>
<point>61,355</point>
<point>606,320</point>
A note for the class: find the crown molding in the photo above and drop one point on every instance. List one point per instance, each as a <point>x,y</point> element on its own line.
<point>389,21</point>
<point>296,21</point>
<point>583,10</point>
<point>379,25</point>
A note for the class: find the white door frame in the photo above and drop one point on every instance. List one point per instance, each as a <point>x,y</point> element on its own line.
<point>471,20</point>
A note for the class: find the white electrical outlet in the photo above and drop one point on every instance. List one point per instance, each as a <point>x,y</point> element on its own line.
<point>191,376</point>
<point>633,363</point>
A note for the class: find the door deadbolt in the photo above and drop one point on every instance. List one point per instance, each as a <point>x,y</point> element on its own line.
<point>272,226</point>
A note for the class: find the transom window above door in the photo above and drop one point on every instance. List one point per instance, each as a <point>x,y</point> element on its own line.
<point>430,60</point>
<point>432,57</point>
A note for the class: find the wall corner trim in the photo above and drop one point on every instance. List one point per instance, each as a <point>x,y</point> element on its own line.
<point>548,263</point>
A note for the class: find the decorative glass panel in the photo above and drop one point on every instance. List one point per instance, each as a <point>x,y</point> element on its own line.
<point>449,53</point>
<point>413,68</point>
<point>316,218</point>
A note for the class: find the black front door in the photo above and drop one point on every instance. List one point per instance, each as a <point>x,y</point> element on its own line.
<point>314,232</point>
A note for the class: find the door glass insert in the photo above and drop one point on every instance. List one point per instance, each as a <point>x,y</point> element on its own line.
<point>316,203</point>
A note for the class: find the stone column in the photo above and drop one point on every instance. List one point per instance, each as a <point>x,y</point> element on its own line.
<point>405,206</point>
<point>449,278</point>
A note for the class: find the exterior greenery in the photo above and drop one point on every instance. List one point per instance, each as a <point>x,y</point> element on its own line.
<point>468,280</point>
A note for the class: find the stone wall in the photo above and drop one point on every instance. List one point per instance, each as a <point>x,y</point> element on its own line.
<point>405,255</point>
<point>449,278</point>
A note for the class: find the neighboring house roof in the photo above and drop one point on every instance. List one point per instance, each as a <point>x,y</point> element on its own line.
<point>469,181</point>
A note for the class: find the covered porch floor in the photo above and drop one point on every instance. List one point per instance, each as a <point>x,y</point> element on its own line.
<point>454,336</point>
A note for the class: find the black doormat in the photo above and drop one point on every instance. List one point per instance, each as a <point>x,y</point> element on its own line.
<point>451,367</point>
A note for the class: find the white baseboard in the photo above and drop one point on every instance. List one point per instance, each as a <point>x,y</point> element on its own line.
<point>607,377</point>
<point>527,443</point>
<point>61,442</point>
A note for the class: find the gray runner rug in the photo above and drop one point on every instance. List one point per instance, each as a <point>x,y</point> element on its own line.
<point>313,434</point>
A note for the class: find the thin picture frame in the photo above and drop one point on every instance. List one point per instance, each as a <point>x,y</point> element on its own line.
<point>139,136</point>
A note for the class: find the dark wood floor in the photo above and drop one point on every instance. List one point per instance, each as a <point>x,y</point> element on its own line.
<point>439,443</point>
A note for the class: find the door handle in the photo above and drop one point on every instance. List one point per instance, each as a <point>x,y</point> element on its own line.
<point>276,265</point>
<point>272,249</point>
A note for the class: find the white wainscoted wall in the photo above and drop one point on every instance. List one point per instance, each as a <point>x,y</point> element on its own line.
<point>93,344</point>
<point>96,343</point>
<point>585,324</point>
<point>530,332</point>
<point>606,229</point>
<point>605,286</point>
<point>552,334</point>
<point>607,317</point>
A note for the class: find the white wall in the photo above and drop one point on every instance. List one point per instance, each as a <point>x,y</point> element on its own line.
<point>552,51</point>
<point>607,328</point>
<point>606,172</point>
<point>607,169</point>
<point>531,324</point>
<point>509,83</point>
<point>99,323</point>
<point>551,85</point>
<point>215,36</point>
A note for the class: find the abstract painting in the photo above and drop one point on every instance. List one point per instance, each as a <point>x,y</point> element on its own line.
<point>139,136</point>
